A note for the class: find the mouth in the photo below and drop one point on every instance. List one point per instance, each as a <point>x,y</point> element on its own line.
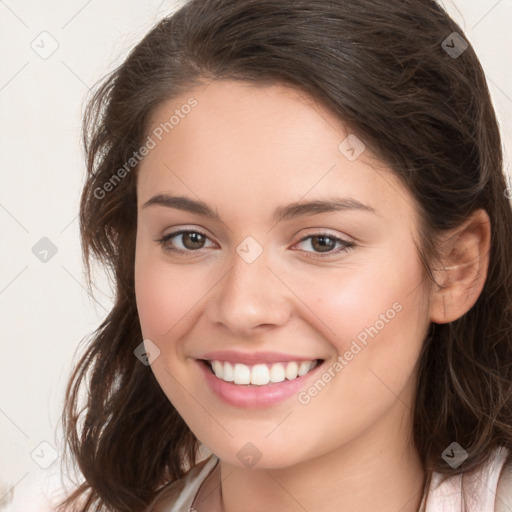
<point>263,374</point>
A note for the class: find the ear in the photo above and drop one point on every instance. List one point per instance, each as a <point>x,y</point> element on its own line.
<point>465,260</point>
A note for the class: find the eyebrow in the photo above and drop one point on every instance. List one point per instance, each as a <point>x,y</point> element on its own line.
<point>282,213</point>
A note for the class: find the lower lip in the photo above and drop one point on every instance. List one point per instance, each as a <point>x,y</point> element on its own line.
<point>253,396</point>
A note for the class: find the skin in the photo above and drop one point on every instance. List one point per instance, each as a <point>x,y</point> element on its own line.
<point>246,150</point>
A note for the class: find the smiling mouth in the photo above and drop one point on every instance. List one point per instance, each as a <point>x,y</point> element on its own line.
<point>260,374</point>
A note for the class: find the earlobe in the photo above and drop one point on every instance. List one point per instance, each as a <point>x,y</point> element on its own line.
<point>460,280</point>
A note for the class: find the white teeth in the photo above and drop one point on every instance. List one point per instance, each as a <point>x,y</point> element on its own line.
<point>218,369</point>
<point>260,374</point>
<point>292,369</point>
<point>242,374</point>
<point>304,368</point>
<point>277,373</point>
<point>229,374</point>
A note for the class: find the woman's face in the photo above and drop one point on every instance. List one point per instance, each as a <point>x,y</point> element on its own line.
<point>266,278</point>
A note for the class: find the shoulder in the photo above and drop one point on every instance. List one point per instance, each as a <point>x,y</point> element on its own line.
<point>487,488</point>
<point>494,480</point>
<point>504,489</point>
<point>177,496</point>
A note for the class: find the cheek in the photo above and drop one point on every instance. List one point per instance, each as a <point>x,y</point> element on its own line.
<point>381,319</point>
<point>375,317</point>
<point>376,321</point>
<point>162,300</point>
<point>158,301</point>
<point>384,295</point>
<point>168,295</point>
<point>153,298</point>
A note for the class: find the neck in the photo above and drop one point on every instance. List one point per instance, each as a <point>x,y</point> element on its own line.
<point>378,470</point>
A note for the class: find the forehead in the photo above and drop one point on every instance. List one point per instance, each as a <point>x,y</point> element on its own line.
<point>260,145</point>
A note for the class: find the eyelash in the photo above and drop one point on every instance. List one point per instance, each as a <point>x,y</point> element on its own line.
<point>347,246</point>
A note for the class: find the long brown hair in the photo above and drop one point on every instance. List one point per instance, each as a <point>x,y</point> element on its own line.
<point>385,69</point>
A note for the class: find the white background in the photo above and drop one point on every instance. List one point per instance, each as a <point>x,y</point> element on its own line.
<point>45,308</point>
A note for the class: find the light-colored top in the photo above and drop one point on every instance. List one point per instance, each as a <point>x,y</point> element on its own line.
<point>489,489</point>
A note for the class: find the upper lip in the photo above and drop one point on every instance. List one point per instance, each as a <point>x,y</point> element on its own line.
<point>233,356</point>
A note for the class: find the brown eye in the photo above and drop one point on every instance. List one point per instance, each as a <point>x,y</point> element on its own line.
<point>193,240</point>
<point>190,241</point>
<point>323,243</point>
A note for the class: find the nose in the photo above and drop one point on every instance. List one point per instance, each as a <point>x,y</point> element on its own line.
<point>250,297</point>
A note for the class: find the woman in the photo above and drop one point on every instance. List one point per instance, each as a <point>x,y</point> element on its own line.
<point>303,207</point>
